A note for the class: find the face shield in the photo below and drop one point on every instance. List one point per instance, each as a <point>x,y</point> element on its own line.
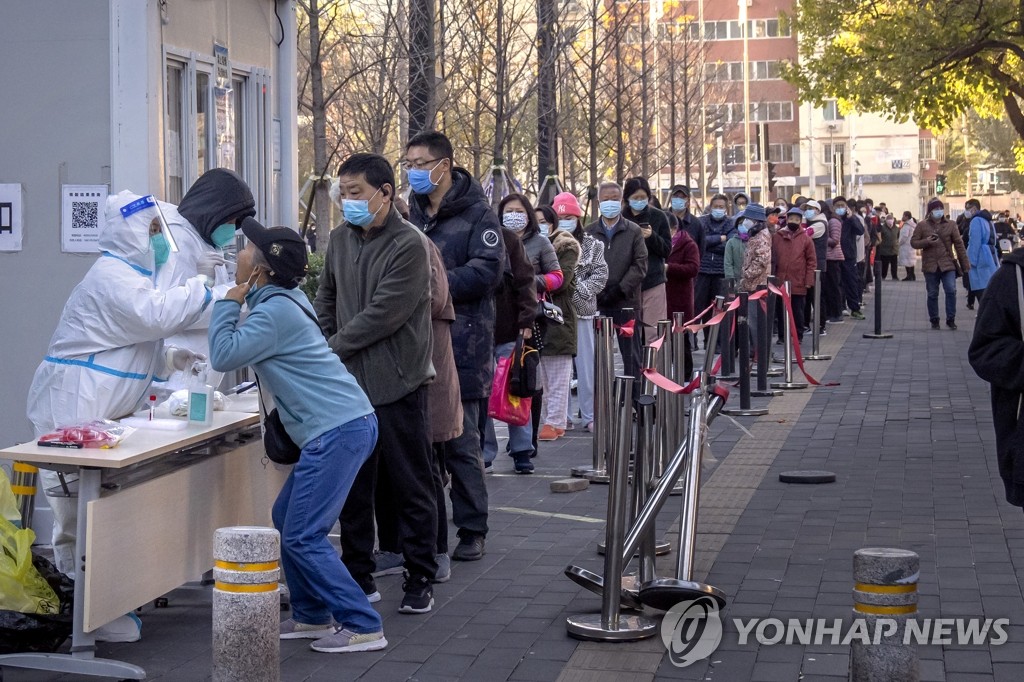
<point>151,207</point>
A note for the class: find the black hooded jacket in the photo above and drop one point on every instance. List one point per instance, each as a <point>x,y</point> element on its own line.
<point>219,196</point>
<point>467,233</point>
<point>997,355</point>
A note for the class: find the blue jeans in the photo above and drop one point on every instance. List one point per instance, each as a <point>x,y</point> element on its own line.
<point>304,513</point>
<point>520,438</point>
<point>948,280</point>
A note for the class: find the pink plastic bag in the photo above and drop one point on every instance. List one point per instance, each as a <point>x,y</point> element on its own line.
<point>503,406</point>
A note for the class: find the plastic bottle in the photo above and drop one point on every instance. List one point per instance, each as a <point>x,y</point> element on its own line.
<point>200,397</point>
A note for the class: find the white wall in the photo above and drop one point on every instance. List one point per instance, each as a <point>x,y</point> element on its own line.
<point>55,118</point>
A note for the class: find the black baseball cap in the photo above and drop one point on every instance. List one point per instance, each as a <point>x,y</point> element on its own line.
<point>284,250</point>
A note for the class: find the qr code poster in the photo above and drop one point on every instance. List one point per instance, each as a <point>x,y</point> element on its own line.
<point>11,203</point>
<point>81,217</point>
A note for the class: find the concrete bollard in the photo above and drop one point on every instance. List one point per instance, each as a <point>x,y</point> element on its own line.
<point>885,597</point>
<point>246,605</point>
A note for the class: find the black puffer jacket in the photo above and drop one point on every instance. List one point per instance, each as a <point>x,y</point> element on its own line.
<point>997,354</point>
<point>659,244</point>
<point>219,196</point>
<point>515,301</point>
<point>468,234</point>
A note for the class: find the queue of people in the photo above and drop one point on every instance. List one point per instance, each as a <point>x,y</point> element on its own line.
<point>383,379</point>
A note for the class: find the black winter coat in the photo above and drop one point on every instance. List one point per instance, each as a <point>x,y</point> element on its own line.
<point>467,232</point>
<point>516,298</point>
<point>997,354</point>
<point>659,244</point>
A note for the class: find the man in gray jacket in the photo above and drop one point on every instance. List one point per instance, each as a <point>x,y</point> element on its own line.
<point>373,304</point>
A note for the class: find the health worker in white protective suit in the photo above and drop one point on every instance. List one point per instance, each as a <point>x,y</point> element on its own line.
<point>108,347</point>
<point>203,225</point>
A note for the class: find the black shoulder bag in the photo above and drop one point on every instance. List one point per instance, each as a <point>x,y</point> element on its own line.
<point>280,447</point>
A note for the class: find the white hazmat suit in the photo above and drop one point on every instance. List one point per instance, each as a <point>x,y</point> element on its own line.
<point>108,345</point>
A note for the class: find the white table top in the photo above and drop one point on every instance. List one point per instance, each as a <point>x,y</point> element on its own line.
<point>140,446</point>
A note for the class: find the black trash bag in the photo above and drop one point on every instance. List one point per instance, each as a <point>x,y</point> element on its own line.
<point>20,632</point>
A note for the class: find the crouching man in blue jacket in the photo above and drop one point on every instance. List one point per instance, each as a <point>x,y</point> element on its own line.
<point>328,416</point>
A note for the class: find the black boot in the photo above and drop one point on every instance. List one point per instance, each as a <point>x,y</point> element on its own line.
<point>951,323</point>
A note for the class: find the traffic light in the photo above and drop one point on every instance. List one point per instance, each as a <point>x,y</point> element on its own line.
<point>771,176</point>
<point>940,184</point>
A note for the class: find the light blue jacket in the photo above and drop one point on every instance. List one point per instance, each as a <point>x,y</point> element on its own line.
<point>979,251</point>
<point>312,389</point>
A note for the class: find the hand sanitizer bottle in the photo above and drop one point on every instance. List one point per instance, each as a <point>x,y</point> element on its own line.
<point>200,397</point>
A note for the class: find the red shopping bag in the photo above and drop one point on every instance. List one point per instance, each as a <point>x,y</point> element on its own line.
<point>503,406</point>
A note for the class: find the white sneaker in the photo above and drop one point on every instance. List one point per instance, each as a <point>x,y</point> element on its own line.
<point>127,628</point>
<point>292,629</point>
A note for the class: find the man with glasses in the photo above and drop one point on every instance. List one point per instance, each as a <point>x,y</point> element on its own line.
<point>451,208</point>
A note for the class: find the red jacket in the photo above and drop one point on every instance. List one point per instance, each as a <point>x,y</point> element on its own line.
<point>793,253</point>
<point>681,269</point>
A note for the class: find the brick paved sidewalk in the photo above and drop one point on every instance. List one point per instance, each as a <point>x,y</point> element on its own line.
<point>908,433</point>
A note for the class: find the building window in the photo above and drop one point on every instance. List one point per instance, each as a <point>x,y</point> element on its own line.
<point>834,148</point>
<point>926,147</point>
<point>733,71</point>
<point>197,139</point>
<point>173,152</point>
<point>782,153</point>
<point>832,111</point>
<point>732,30</point>
<point>771,111</point>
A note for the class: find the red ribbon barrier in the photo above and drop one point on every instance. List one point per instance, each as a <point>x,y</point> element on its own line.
<point>627,330</point>
<point>796,341</point>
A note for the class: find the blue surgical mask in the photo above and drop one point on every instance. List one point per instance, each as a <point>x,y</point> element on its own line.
<point>810,213</point>
<point>516,222</point>
<point>567,224</point>
<point>718,213</point>
<point>637,205</point>
<point>419,179</point>
<point>678,203</point>
<point>223,236</point>
<point>938,213</point>
<point>743,229</point>
<point>969,213</point>
<point>747,224</point>
<point>357,211</point>
<point>840,211</point>
<point>610,209</point>
<point>161,248</point>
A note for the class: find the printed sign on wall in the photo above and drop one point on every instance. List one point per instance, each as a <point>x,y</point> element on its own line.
<point>11,204</point>
<point>81,217</point>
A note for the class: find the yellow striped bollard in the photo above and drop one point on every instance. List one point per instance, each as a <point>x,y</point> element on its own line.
<point>246,605</point>
<point>23,486</point>
<point>884,599</point>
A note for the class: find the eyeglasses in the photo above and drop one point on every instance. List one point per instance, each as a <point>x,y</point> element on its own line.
<point>418,165</point>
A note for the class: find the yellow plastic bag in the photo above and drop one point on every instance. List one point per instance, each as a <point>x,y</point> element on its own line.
<point>22,589</point>
<point>8,502</point>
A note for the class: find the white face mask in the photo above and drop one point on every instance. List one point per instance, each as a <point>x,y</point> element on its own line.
<point>514,221</point>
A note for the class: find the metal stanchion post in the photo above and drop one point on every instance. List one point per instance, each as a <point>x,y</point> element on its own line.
<point>772,304</point>
<point>743,331</point>
<point>714,335</point>
<point>681,377</point>
<point>610,624</point>
<point>603,335</point>
<point>648,448</point>
<point>787,329</point>
<point>764,349</point>
<point>816,322</point>
<point>728,339</point>
<point>642,477</point>
<point>647,518</point>
<point>878,305</point>
<point>665,593</point>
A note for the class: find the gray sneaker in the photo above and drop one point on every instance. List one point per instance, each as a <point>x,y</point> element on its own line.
<point>345,641</point>
<point>292,629</point>
<point>444,568</point>
<point>388,563</point>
